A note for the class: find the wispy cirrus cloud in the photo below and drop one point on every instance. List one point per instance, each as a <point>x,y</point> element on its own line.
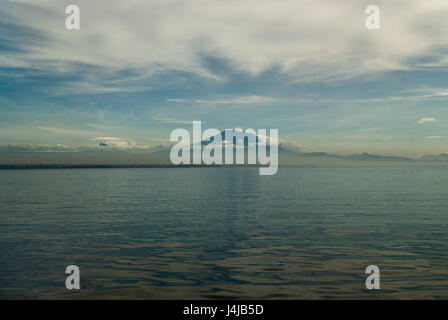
<point>177,100</point>
<point>158,36</point>
<point>425,120</point>
<point>100,126</point>
<point>249,99</point>
<point>174,121</point>
<point>64,131</point>
<point>239,100</point>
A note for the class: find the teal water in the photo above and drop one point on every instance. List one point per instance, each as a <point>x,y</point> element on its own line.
<point>193,233</point>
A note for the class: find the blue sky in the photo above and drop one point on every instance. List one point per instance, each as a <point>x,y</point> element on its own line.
<point>136,71</point>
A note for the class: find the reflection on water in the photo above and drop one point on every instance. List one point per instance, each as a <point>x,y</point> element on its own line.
<point>224,233</point>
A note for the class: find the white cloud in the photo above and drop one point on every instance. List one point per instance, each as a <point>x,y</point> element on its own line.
<point>118,143</point>
<point>114,146</point>
<point>90,86</point>
<point>307,40</point>
<point>424,120</point>
<point>107,139</point>
<point>434,137</point>
<point>177,100</point>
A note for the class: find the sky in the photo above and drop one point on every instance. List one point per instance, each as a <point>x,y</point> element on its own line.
<point>136,70</point>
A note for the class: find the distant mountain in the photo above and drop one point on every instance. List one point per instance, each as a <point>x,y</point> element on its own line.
<point>440,157</point>
<point>328,159</point>
<point>237,140</point>
<point>320,155</point>
<point>247,136</point>
<point>375,157</point>
<point>289,154</point>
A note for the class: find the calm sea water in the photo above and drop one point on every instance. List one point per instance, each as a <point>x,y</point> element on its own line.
<point>224,233</point>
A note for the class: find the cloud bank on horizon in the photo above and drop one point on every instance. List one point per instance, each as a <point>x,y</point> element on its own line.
<point>137,69</point>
